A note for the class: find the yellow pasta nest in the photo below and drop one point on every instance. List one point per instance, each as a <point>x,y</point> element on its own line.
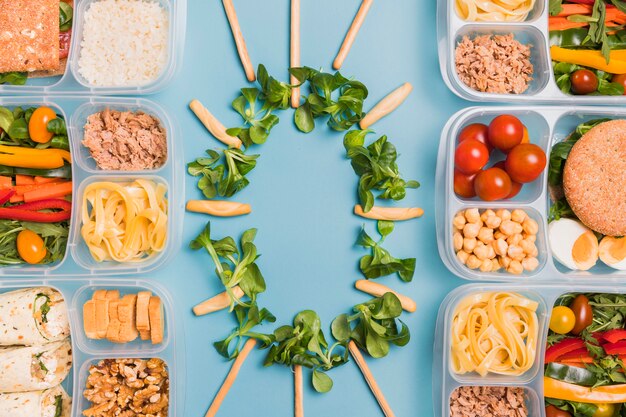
<point>124,222</point>
<point>494,10</point>
<point>494,332</point>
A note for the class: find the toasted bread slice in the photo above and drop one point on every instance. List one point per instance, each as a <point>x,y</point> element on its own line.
<point>99,295</point>
<point>102,317</point>
<point>113,329</point>
<point>89,319</point>
<point>143,300</point>
<point>144,334</point>
<point>157,322</point>
<point>127,315</point>
<point>112,295</point>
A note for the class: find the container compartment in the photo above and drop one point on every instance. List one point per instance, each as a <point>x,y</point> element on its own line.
<point>531,399</point>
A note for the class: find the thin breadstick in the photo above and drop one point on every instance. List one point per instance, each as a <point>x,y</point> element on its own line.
<point>230,378</point>
<point>219,302</point>
<point>298,394</point>
<point>389,213</point>
<point>219,208</point>
<point>385,106</point>
<point>242,50</point>
<point>378,290</point>
<point>352,32</point>
<point>214,126</point>
<point>295,49</point>
<point>369,378</point>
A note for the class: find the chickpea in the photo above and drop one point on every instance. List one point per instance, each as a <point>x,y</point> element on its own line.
<point>530,238</point>
<point>515,267</point>
<point>470,230</point>
<point>515,252</point>
<point>528,246</point>
<point>462,256</point>
<point>485,234</point>
<point>530,226</point>
<point>509,227</point>
<point>457,240</point>
<point>530,264</point>
<point>481,252</point>
<point>459,221</point>
<point>500,247</point>
<point>514,239</point>
<point>493,222</point>
<point>499,235</point>
<point>486,214</point>
<point>504,214</point>
<point>505,261</point>
<point>486,266</point>
<point>491,253</point>
<point>495,265</point>
<point>473,262</point>
<point>472,215</point>
<point>469,244</point>
<point>518,215</point>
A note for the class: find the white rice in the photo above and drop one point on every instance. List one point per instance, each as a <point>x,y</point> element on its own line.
<point>125,42</point>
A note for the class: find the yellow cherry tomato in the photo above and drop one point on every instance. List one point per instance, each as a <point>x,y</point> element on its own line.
<point>31,247</point>
<point>38,124</point>
<point>562,320</point>
<point>605,410</point>
<point>525,137</point>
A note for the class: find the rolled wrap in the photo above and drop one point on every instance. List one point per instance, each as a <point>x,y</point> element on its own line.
<point>32,368</point>
<point>33,316</point>
<point>36,403</point>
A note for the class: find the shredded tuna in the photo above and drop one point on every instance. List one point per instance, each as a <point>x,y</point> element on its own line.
<point>494,64</point>
<point>125,141</point>
<point>488,402</point>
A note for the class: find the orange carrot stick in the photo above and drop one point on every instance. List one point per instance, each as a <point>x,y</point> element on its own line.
<point>6,182</point>
<point>561,23</point>
<point>16,199</point>
<point>570,9</point>
<point>24,180</point>
<point>55,190</point>
<point>46,180</point>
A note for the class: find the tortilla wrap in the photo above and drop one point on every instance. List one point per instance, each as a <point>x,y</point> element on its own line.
<point>33,316</point>
<point>36,403</point>
<point>32,368</point>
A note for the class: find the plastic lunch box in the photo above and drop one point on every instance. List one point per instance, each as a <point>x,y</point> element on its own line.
<point>86,352</point>
<point>73,83</point>
<point>451,29</point>
<point>547,126</point>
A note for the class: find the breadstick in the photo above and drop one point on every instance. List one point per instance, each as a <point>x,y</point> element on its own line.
<point>295,50</point>
<point>242,50</point>
<point>230,378</point>
<point>216,303</point>
<point>389,213</point>
<point>352,32</point>
<point>385,106</point>
<point>213,125</point>
<point>298,395</point>
<point>219,208</point>
<point>378,290</point>
<point>369,378</point>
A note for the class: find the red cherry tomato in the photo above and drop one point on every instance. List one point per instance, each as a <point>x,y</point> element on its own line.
<point>621,80</point>
<point>505,131</point>
<point>471,156</point>
<point>492,184</point>
<point>525,162</point>
<point>516,187</point>
<point>64,43</point>
<point>464,184</point>
<point>552,411</point>
<point>584,81</point>
<point>476,131</point>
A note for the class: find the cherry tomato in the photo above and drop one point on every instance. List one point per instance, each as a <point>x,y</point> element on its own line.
<point>562,320</point>
<point>604,410</point>
<point>583,312</point>
<point>38,124</point>
<point>552,411</point>
<point>31,247</point>
<point>464,184</point>
<point>64,43</point>
<point>584,81</point>
<point>476,131</point>
<point>492,184</point>
<point>471,156</point>
<point>525,162</point>
<point>620,79</point>
<point>516,187</point>
<point>505,131</point>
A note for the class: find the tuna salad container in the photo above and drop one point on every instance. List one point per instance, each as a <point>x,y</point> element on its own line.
<point>543,231</point>
<point>532,363</point>
<point>105,47</point>
<point>116,194</point>
<point>530,52</point>
<point>58,366</point>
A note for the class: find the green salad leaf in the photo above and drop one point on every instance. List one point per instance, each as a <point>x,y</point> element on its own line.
<point>225,178</point>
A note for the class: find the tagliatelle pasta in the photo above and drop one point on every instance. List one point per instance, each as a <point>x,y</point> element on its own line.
<point>124,222</point>
<point>494,10</point>
<point>494,332</point>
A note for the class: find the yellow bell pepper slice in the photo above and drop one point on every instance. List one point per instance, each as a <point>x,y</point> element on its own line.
<point>590,58</point>
<point>559,390</point>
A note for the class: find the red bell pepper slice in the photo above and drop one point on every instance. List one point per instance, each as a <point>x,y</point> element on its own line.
<point>50,203</point>
<point>614,336</point>
<point>554,352</point>
<point>5,195</point>
<point>578,354</point>
<point>617,348</point>
<point>29,212</point>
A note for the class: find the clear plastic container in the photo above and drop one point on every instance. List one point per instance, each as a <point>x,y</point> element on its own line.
<point>547,126</point>
<point>445,381</point>
<point>73,83</point>
<point>86,352</point>
<point>534,30</point>
<point>78,261</point>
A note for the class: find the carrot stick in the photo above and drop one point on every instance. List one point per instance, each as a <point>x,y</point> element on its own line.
<point>16,199</point>
<point>352,32</point>
<point>378,290</point>
<point>570,9</point>
<point>46,180</point>
<point>385,106</point>
<point>242,49</point>
<point>218,208</point>
<point>24,180</point>
<point>6,182</point>
<point>216,303</point>
<point>230,378</point>
<point>561,23</point>
<point>389,213</point>
<point>55,190</point>
<point>298,394</point>
<point>295,49</point>
<point>369,378</point>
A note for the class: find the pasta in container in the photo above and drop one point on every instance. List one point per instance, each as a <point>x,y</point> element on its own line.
<point>494,10</point>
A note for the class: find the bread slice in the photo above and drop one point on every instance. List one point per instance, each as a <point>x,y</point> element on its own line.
<point>99,295</point>
<point>114,323</point>
<point>127,310</point>
<point>143,300</point>
<point>89,319</point>
<point>102,317</point>
<point>112,295</point>
<point>144,334</point>
<point>157,322</point>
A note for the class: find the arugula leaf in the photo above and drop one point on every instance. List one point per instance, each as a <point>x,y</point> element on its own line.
<point>380,263</point>
<point>58,405</point>
<point>44,309</point>
<point>222,178</point>
<point>248,317</point>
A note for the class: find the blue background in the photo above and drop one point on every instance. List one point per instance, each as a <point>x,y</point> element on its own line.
<point>302,193</point>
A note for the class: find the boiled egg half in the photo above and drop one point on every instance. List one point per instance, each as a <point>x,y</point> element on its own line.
<point>573,244</point>
<point>613,252</point>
